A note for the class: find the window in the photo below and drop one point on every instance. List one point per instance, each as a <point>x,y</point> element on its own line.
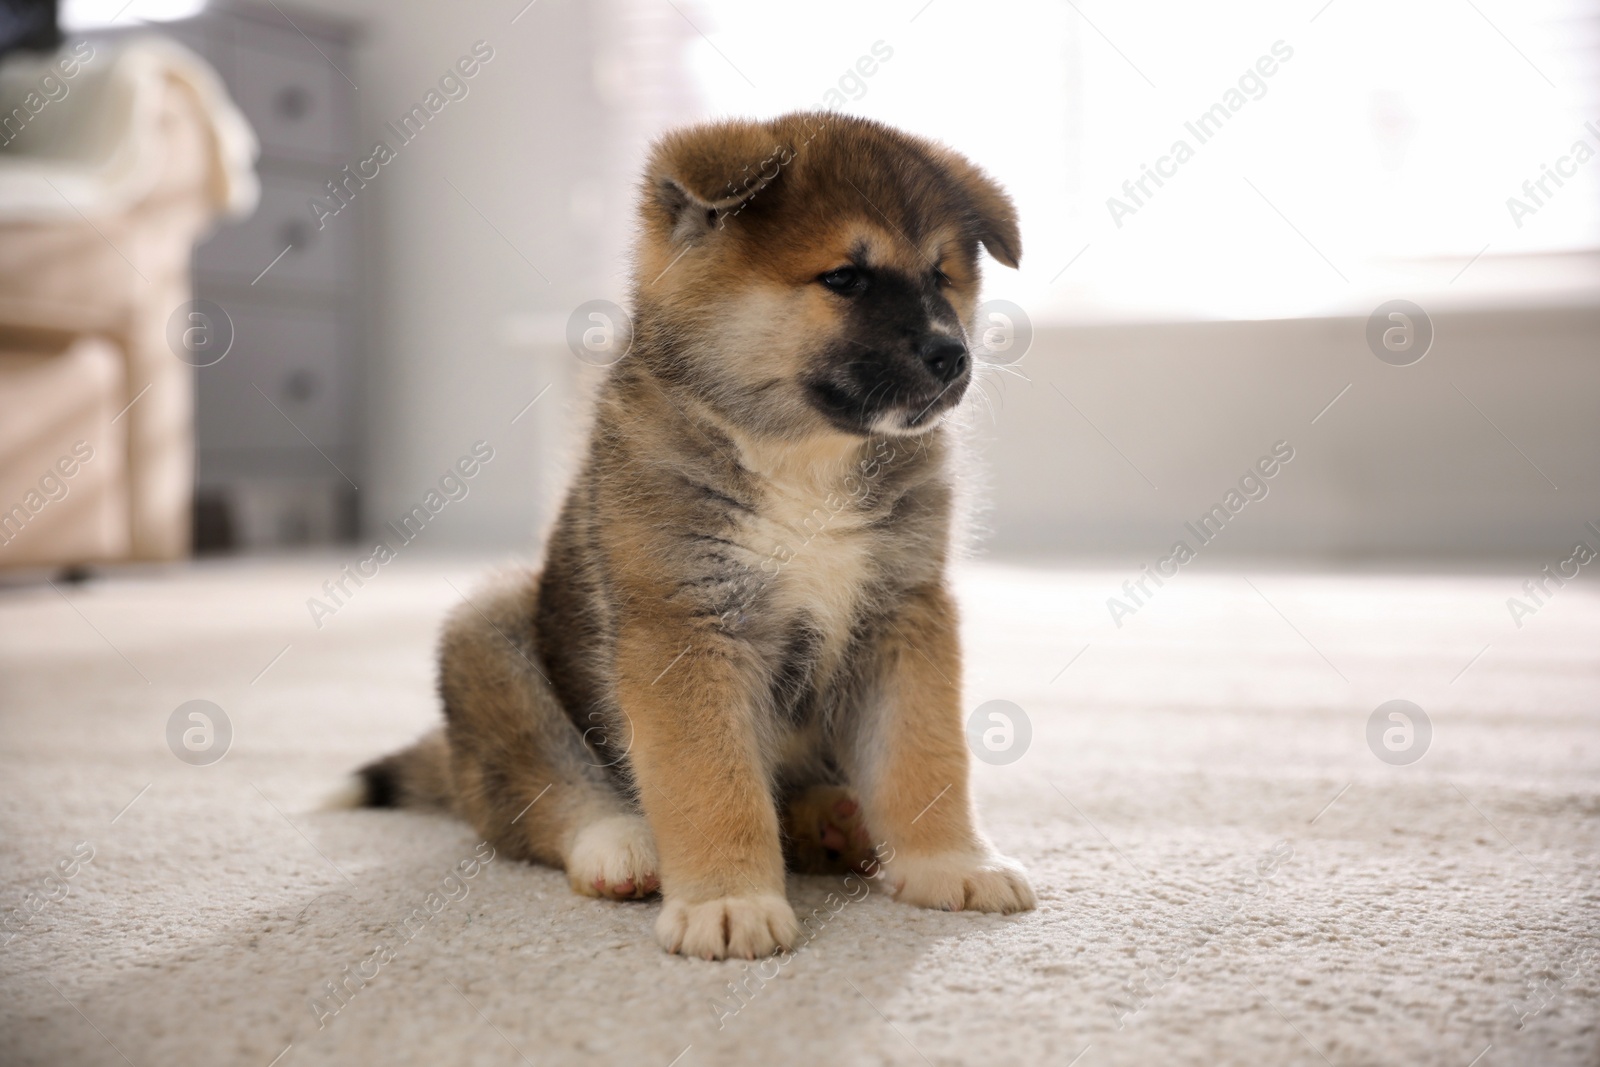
<point>79,15</point>
<point>1339,153</point>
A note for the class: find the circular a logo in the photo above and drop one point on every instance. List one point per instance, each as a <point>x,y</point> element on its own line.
<point>598,739</point>
<point>1399,333</point>
<point>1399,732</point>
<point>200,332</point>
<point>599,332</point>
<point>999,732</point>
<point>1003,333</point>
<point>199,732</point>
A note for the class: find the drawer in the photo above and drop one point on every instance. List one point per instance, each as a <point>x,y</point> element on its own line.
<point>319,259</point>
<point>300,361</point>
<point>298,103</point>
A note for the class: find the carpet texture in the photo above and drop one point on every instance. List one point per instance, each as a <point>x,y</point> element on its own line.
<point>1227,872</point>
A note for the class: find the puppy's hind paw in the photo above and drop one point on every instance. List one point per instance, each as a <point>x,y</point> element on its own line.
<point>824,833</point>
<point>728,927</point>
<point>614,858</point>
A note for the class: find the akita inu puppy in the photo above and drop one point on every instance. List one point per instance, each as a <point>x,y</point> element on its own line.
<point>742,643</point>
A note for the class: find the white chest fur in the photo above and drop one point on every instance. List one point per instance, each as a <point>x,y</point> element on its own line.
<point>820,565</point>
<point>816,550</point>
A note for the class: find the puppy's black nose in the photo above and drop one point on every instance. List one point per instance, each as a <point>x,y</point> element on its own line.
<point>945,357</point>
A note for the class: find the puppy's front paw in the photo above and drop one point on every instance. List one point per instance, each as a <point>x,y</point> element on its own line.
<point>746,927</point>
<point>961,881</point>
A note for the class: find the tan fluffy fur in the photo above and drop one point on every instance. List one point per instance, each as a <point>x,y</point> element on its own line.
<point>741,644</point>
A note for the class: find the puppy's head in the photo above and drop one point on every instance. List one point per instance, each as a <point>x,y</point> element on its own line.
<point>815,274</point>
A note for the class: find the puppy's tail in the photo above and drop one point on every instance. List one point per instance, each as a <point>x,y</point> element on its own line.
<point>414,777</point>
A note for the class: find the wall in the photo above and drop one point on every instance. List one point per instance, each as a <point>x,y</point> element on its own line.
<point>1402,464</point>
<point>512,208</point>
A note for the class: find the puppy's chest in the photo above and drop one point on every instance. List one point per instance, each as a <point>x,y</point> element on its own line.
<point>820,556</point>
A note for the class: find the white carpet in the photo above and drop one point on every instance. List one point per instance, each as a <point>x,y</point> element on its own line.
<point>1428,913</point>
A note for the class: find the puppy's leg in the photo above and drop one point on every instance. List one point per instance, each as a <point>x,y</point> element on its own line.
<point>521,771</point>
<point>696,757</point>
<point>910,761</point>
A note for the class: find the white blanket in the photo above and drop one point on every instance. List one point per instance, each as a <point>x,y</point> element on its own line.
<point>77,129</point>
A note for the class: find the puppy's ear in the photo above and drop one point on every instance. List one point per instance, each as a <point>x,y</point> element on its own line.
<point>697,175</point>
<point>995,216</point>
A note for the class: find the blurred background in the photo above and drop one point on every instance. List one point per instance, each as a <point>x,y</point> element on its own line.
<point>1309,287</point>
<point>279,266</point>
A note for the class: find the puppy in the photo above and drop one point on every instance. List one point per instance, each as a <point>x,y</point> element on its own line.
<point>742,644</point>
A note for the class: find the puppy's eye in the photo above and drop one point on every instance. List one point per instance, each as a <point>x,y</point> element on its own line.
<point>941,279</point>
<point>846,280</point>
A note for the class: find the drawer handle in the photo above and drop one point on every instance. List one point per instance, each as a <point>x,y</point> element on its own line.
<point>300,386</point>
<point>295,232</point>
<point>292,103</point>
